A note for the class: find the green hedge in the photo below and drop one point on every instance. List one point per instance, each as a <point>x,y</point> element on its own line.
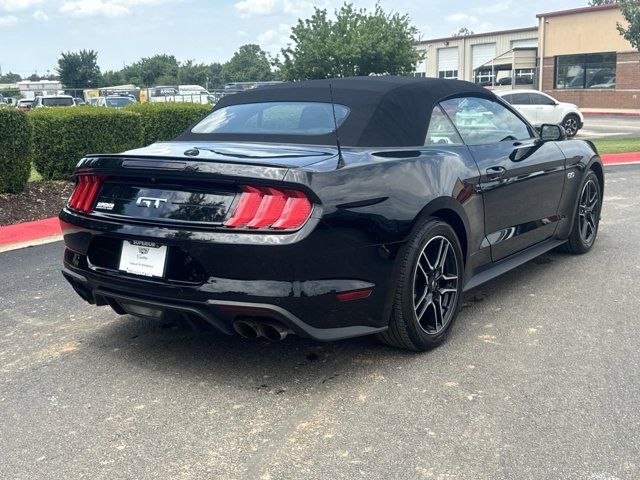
<point>62,136</point>
<point>165,121</point>
<point>15,150</point>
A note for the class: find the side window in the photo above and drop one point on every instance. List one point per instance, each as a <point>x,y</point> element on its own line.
<point>481,121</point>
<point>537,99</point>
<point>521,99</point>
<point>441,130</point>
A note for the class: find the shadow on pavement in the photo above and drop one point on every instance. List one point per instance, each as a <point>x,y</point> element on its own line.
<point>215,358</point>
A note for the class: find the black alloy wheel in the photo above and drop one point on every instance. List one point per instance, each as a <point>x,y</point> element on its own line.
<point>428,288</point>
<point>587,218</point>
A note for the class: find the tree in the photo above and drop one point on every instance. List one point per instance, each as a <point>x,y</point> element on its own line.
<point>111,78</point>
<point>150,71</point>
<point>357,42</point>
<point>463,31</point>
<point>631,12</point>
<point>79,69</point>
<point>249,64</point>
<point>594,3</point>
<point>10,78</point>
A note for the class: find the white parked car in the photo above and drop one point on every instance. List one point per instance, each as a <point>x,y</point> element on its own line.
<point>539,108</point>
<point>53,101</point>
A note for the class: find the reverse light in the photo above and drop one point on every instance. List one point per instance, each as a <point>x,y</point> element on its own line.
<point>269,207</point>
<point>86,192</point>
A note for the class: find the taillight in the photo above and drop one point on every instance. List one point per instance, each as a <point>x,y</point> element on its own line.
<point>84,196</point>
<point>268,207</point>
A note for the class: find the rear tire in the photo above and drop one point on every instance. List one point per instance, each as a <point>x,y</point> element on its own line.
<point>571,124</point>
<point>429,288</point>
<point>585,225</point>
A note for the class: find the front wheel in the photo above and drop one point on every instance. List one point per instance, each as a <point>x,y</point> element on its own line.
<point>585,226</point>
<point>428,290</point>
<point>571,124</point>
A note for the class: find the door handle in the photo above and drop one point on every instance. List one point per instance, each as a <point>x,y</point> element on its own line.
<point>495,172</point>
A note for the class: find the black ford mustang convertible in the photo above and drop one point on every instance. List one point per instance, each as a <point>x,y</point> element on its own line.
<point>330,209</point>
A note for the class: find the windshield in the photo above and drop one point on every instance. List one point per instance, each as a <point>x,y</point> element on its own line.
<point>289,118</point>
<point>118,102</point>
<point>57,102</point>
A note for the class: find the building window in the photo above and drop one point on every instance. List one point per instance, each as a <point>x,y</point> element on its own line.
<point>591,70</point>
<point>450,74</point>
<point>419,74</point>
<point>525,76</point>
<point>483,76</point>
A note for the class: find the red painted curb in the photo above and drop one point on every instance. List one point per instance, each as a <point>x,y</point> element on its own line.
<point>611,158</point>
<point>24,232</point>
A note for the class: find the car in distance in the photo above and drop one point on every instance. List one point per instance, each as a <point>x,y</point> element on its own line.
<point>114,101</point>
<point>53,101</point>
<point>540,108</point>
<point>330,209</point>
<point>24,104</point>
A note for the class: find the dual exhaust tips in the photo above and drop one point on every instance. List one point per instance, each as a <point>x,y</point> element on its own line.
<point>252,329</point>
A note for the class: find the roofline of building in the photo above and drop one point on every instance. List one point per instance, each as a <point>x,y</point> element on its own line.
<point>476,35</point>
<point>573,11</point>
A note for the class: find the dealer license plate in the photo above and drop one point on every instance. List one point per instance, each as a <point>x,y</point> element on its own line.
<point>143,258</point>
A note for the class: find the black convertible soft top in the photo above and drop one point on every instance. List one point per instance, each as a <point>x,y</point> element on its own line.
<point>386,111</point>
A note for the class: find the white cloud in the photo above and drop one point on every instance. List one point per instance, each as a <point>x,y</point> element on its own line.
<point>15,5</point>
<point>8,20</point>
<point>248,8</point>
<point>106,8</point>
<point>40,16</point>
<point>461,18</point>
<point>251,8</point>
<point>273,39</point>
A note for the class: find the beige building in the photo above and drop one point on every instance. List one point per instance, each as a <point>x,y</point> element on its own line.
<point>586,61</point>
<point>575,55</point>
<point>505,59</point>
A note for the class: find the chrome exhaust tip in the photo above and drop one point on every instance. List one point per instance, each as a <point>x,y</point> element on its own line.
<point>246,329</point>
<point>273,331</point>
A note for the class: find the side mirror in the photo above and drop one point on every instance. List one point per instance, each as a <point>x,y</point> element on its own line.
<point>552,133</point>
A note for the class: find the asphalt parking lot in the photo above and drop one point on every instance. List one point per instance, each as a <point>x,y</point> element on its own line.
<point>540,380</point>
<point>605,126</point>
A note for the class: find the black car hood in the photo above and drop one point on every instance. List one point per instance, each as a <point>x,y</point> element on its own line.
<point>236,152</point>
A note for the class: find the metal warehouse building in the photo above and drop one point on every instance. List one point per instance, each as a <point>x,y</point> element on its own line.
<point>583,57</point>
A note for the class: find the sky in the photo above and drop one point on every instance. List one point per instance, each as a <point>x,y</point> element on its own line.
<point>33,33</point>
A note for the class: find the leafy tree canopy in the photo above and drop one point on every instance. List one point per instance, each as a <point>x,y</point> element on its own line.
<point>594,3</point>
<point>631,13</point>
<point>79,69</point>
<point>356,42</point>
<point>462,32</point>
<point>249,64</point>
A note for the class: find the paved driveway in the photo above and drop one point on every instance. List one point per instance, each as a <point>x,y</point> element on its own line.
<point>540,380</point>
<point>605,126</point>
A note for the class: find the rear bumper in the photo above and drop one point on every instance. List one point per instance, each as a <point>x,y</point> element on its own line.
<point>294,279</point>
<point>218,313</point>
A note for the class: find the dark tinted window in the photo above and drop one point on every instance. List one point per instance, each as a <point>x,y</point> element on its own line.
<point>57,102</point>
<point>481,121</point>
<point>592,70</point>
<point>538,99</point>
<point>518,99</point>
<point>288,118</point>
<point>118,102</point>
